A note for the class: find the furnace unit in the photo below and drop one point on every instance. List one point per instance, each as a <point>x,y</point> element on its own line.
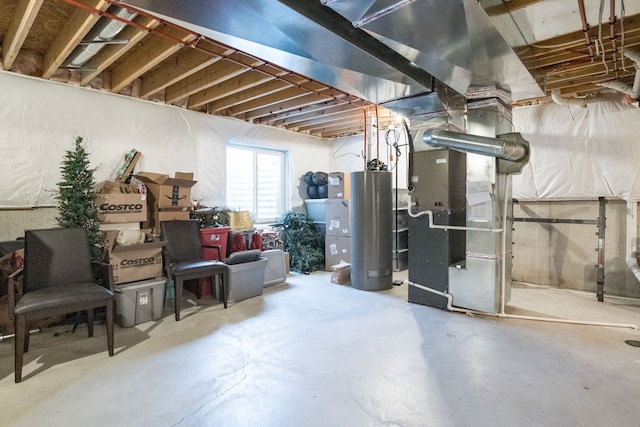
<point>438,178</point>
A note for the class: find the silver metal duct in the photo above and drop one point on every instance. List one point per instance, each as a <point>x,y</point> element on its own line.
<point>103,33</point>
<point>507,148</point>
<point>387,55</point>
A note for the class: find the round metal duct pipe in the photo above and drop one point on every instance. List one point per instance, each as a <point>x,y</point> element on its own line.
<point>507,149</point>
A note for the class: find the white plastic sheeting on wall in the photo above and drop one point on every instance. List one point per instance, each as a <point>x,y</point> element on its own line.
<point>578,152</point>
<point>39,121</point>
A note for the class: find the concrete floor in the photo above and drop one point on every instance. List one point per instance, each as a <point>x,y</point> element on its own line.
<point>312,353</point>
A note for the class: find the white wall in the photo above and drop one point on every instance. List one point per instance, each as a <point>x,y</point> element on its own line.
<point>564,255</point>
<point>40,119</point>
<point>577,153</point>
<point>347,154</point>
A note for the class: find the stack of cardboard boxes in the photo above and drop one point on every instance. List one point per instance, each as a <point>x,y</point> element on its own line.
<point>130,216</point>
<point>338,221</point>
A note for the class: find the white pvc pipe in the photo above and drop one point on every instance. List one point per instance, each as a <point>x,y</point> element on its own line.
<point>635,57</point>
<point>503,271</point>
<point>451,227</point>
<point>557,97</point>
<point>632,91</point>
<point>450,307</point>
<point>620,87</point>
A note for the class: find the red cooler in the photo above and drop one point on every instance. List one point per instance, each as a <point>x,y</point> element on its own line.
<point>210,237</point>
<point>214,237</point>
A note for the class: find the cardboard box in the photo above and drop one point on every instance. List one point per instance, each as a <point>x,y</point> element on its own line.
<point>338,185</point>
<point>338,218</point>
<point>157,216</point>
<point>130,263</point>
<point>165,192</point>
<point>118,202</point>
<point>336,250</point>
<point>341,273</point>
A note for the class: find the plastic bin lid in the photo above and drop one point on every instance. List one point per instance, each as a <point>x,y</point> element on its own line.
<point>130,286</point>
<point>243,256</point>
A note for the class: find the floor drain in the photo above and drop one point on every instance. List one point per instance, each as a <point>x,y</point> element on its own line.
<point>633,343</point>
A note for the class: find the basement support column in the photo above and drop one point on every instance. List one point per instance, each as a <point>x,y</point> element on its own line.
<point>602,224</point>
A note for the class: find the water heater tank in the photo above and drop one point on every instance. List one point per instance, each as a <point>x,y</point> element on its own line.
<point>371,230</point>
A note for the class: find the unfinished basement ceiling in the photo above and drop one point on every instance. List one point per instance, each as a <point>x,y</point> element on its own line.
<point>321,67</point>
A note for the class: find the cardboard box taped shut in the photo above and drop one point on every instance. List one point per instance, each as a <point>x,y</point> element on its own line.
<point>117,202</point>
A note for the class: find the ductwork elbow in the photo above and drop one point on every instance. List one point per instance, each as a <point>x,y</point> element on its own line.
<point>632,91</point>
<point>621,87</point>
<point>562,100</point>
<point>633,55</point>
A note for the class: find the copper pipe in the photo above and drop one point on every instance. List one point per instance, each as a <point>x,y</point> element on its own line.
<point>585,28</point>
<point>364,150</point>
<point>612,33</point>
<point>377,135</point>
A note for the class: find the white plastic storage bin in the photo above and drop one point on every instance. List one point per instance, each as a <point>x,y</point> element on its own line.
<point>276,270</point>
<point>245,280</point>
<point>317,209</point>
<point>139,302</point>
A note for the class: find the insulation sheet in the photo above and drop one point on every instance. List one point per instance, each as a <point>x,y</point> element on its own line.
<point>39,121</point>
<point>578,152</point>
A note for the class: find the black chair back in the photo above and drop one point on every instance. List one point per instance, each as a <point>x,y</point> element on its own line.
<point>183,240</point>
<point>63,257</point>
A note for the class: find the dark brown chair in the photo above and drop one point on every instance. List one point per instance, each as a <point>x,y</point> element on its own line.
<point>58,278</point>
<point>183,258</point>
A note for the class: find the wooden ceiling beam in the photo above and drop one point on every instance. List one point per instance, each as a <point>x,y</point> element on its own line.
<point>509,6</point>
<point>318,116</point>
<point>26,12</point>
<point>207,77</point>
<point>148,55</point>
<point>239,83</point>
<point>295,103</point>
<point>187,62</point>
<point>328,120</point>
<point>268,100</point>
<point>273,118</point>
<point>235,64</point>
<point>264,89</point>
<point>72,33</point>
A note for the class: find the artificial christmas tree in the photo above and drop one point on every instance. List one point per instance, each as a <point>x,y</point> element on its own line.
<point>76,196</point>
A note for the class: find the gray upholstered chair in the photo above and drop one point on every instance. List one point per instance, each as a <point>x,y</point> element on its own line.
<point>58,278</point>
<point>183,258</point>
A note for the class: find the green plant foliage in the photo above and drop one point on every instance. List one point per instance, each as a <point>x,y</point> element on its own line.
<point>303,241</point>
<point>76,194</point>
<point>211,217</point>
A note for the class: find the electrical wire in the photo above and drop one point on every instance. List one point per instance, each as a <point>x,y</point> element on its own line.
<point>410,186</point>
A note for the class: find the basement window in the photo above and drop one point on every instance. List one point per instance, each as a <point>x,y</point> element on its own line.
<point>256,182</point>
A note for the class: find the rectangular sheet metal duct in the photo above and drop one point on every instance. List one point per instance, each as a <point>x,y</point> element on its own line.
<point>387,58</point>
